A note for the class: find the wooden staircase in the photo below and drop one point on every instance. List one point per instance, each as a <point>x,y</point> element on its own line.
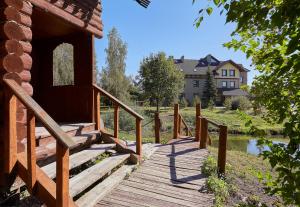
<point>72,167</point>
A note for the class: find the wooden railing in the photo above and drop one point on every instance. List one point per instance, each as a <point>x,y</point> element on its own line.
<point>38,183</point>
<point>178,122</point>
<point>98,92</point>
<point>201,133</point>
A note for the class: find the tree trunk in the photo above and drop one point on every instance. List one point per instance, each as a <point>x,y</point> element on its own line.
<point>157,105</point>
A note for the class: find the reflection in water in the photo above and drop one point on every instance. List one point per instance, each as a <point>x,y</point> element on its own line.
<point>243,145</point>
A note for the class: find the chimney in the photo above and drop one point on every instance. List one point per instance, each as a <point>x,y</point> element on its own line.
<point>182,58</point>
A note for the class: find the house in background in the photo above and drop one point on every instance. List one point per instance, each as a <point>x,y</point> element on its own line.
<point>229,77</point>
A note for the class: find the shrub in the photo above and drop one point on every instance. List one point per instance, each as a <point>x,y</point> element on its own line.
<point>228,103</point>
<point>220,188</point>
<point>196,100</point>
<point>183,103</point>
<point>209,166</point>
<point>211,105</point>
<point>241,102</point>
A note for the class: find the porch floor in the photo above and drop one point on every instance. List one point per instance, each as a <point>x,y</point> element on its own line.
<point>171,177</point>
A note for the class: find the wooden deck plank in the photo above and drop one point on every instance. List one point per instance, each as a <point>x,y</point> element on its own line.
<point>170,178</point>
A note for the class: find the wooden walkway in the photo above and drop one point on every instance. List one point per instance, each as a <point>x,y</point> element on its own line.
<point>171,177</point>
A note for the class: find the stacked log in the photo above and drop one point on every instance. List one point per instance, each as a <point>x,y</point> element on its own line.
<point>15,49</point>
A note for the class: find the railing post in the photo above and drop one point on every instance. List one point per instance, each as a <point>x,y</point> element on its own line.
<point>204,133</point>
<point>176,114</point>
<point>198,120</point>
<point>97,99</point>
<point>139,137</point>
<point>179,124</point>
<point>116,120</point>
<point>157,128</point>
<point>222,149</point>
<point>31,156</point>
<point>10,135</point>
<point>62,175</point>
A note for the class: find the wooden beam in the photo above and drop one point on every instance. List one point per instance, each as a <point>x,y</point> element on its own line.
<point>31,155</point>
<point>62,176</point>
<point>198,120</point>
<point>179,124</point>
<point>97,98</point>
<point>204,133</point>
<point>176,115</point>
<point>139,137</point>
<point>157,128</point>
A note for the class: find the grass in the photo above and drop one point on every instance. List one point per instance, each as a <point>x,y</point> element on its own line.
<point>242,186</point>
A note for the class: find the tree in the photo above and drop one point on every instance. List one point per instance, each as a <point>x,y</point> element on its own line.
<point>210,92</point>
<point>267,31</point>
<point>160,79</point>
<point>113,78</point>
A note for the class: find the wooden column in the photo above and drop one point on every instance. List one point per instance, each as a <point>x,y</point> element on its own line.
<point>197,121</point>
<point>222,149</point>
<point>176,118</point>
<point>97,110</point>
<point>204,133</point>
<point>116,120</point>
<point>139,137</point>
<point>10,131</point>
<point>31,156</point>
<point>157,128</point>
<point>62,176</point>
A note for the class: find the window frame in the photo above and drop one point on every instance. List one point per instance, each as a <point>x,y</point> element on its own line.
<point>226,85</point>
<point>196,84</point>
<point>233,84</point>
<point>232,70</point>
<point>224,70</point>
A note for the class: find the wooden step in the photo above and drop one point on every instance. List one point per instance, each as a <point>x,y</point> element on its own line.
<point>80,158</point>
<point>88,177</point>
<point>91,198</point>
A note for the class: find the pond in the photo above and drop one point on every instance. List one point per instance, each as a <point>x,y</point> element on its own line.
<point>245,144</point>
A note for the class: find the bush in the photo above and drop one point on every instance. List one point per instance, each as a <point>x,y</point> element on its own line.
<point>183,103</point>
<point>241,102</point>
<point>220,188</point>
<point>196,100</point>
<point>209,166</point>
<point>228,103</point>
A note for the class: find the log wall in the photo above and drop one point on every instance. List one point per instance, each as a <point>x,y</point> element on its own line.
<point>15,59</point>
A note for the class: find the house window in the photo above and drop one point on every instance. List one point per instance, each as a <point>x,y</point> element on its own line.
<point>232,73</point>
<point>232,84</point>
<point>224,84</point>
<point>196,83</point>
<point>224,72</point>
<point>241,79</point>
<point>63,65</point>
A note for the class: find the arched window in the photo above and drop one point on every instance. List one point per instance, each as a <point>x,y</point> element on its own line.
<point>63,65</point>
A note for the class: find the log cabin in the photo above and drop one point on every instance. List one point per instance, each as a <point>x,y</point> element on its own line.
<point>30,30</point>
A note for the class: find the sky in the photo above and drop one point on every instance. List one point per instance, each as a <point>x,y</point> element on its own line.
<point>168,26</point>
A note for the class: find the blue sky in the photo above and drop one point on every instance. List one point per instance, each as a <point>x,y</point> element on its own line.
<point>167,25</point>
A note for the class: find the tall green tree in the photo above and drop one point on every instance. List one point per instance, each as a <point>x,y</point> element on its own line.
<point>268,32</point>
<point>210,89</point>
<point>112,77</point>
<point>160,79</point>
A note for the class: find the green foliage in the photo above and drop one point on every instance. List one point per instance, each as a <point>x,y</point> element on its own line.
<point>196,100</point>
<point>209,166</point>
<point>160,79</point>
<point>210,89</point>
<point>228,104</point>
<point>268,33</point>
<point>183,103</point>
<point>63,65</point>
<point>220,188</point>
<point>240,102</point>
<point>112,77</point>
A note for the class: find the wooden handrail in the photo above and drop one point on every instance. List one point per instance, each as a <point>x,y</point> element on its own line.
<point>117,101</point>
<point>46,120</point>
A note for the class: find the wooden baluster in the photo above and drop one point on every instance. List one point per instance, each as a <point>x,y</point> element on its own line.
<point>157,128</point>
<point>31,156</point>
<point>187,133</point>
<point>176,114</point>
<point>197,130</point>
<point>97,99</point>
<point>10,126</point>
<point>62,175</point>
<point>116,121</point>
<point>179,124</point>
<point>204,133</point>
<point>139,137</point>
<point>222,149</point>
